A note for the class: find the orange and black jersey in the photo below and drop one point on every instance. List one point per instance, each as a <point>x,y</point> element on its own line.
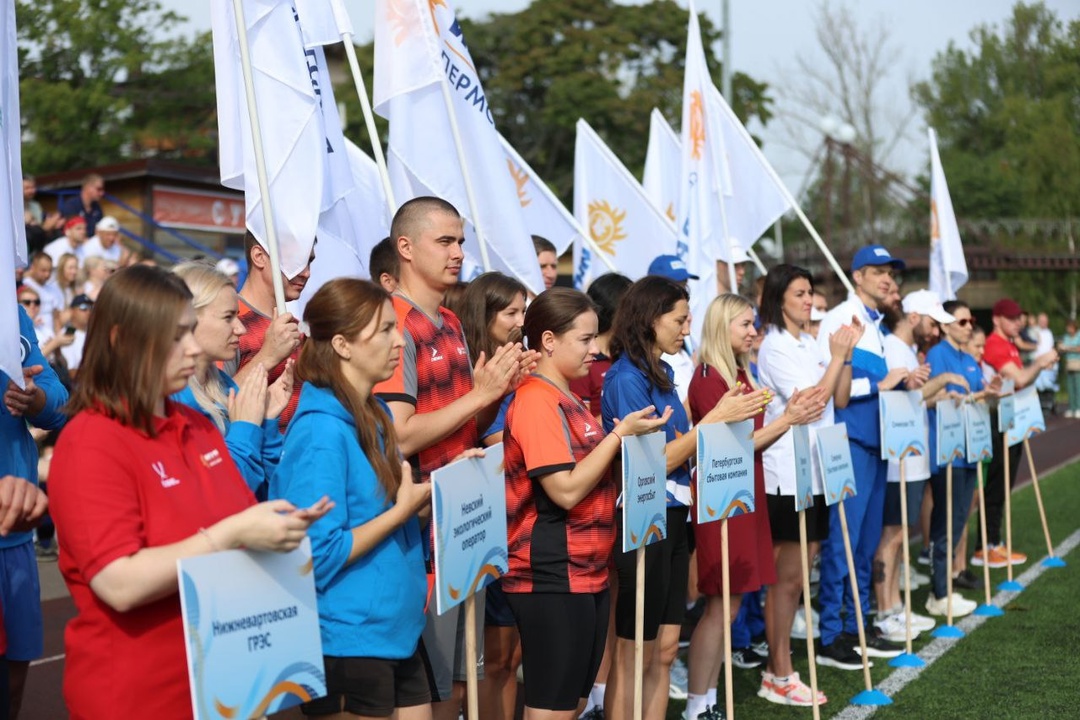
<point>552,549</point>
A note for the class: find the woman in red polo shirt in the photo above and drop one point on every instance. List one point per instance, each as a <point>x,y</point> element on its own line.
<point>138,482</point>
<point>560,508</point>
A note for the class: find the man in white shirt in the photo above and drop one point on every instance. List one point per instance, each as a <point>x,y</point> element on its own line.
<point>71,241</point>
<point>106,243</point>
<point>39,277</point>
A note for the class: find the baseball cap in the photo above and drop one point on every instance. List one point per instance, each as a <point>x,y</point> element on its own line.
<point>816,315</point>
<point>671,267</point>
<point>107,223</point>
<point>926,302</point>
<point>874,255</point>
<point>740,255</point>
<point>72,222</point>
<point>227,266</point>
<point>82,302</point>
<point>1007,308</point>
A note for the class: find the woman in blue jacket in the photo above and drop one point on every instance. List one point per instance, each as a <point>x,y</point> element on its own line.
<point>368,551</point>
<point>246,416</point>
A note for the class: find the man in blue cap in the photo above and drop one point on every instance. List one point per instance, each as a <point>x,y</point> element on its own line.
<point>872,271</point>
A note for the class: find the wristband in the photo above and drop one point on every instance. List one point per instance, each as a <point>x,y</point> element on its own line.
<point>613,432</point>
<point>847,363</point>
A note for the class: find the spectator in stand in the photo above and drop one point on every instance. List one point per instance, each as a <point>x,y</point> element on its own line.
<point>437,401</point>
<point>72,241</point>
<point>67,278</point>
<point>1069,347</point>
<point>246,415</point>
<point>85,205</point>
<point>561,509</point>
<point>96,270</point>
<point>41,227</point>
<point>1003,356</point>
<point>548,258</point>
<point>78,322</point>
<point>727,338</point>
<point>369,550</point>
<point>37,405</point>
<point>31,207</point>
<point>605,291</point>
<point>1046,383</point>
<point>39,278</point>
<point>48,341</point>
<point>271,339</point>
<point>492,313</point>
<point>383,265</point>
<point>106,242</point>
<point>653,319</point>
<point>790,361</point>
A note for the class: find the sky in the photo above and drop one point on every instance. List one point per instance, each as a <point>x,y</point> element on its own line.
<point>767,37</point>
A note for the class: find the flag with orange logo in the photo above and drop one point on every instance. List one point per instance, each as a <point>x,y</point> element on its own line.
<point>948,267</point>
<point>612,206</point>
<point>545,215</point>
<point>662,165</point>
<point>419,47</point>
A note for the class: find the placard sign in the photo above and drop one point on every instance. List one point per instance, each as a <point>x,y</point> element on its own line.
<point>1006,405</point>
<point>644,490</point>
<point>977,428</point>
<point>469,516</point>
<point>251,628</point>
<point>804,468</point>
<point>951,439</point>
<point>725,470</point>
<point>834,452</point>
<point>1028,416</point>
<point>903,424</point>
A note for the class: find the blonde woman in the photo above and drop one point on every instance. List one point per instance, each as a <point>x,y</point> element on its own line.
<point>727,339</point>
<point>95,271</point>
<point>247,415</point>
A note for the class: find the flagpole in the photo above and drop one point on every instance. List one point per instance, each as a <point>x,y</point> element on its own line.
<point>757,261</point>
<point>369,120</point>
<point>546,192</point>
<point>463,161</point>
<point>260,158</point>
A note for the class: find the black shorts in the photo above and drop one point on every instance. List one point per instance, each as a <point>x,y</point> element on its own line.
<point>497,612</point>
<point>371,686</point>
<point>915,490</point>
<point>667,574</point>
<point>562,643</point>
<point>784,521</point>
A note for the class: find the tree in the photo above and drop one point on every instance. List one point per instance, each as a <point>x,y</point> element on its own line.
<point>102,81</point>
<point>558,60</point>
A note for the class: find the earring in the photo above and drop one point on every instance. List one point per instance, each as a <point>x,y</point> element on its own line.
<point>549,351</point>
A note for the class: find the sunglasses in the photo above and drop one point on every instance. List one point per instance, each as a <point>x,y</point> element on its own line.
<point>29,303</point>
<point>965,322</point>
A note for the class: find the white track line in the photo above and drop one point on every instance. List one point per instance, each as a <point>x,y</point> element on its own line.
<point>46,661</point>
<point>900,677</point>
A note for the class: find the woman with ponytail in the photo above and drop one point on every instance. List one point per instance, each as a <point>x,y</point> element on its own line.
<point>368,551</point>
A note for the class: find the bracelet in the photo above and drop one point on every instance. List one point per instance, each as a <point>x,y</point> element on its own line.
<point>206,534</point>
<point>847,363</point>
<point>616,435</point>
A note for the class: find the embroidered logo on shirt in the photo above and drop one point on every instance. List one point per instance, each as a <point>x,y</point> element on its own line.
<point>211,459</point>
<point>460,351</point>
<point>435,354</point>
<point>589,432</point>
<point>167,481</point>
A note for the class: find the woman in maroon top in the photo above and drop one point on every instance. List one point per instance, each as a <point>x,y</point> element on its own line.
<point>726,341</point>
<point>605,292</point>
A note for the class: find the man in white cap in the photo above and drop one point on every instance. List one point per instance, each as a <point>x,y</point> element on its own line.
<point>106,241</point>
<point>723,279</point>
<point>914,324</point>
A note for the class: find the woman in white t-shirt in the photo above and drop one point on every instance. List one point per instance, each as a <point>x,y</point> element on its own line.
<point>790,360</point>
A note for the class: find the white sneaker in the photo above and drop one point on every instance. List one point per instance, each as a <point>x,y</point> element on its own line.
<point>918,579</point>
<point>798,626</point>
<point>961,606</point>
<point>892,628</point>
<point>922,623</point>
<point>678,680</point>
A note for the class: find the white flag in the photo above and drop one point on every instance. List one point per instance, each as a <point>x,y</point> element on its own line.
<point>611,204</point>
<point>662,165</point>
<point>418,46</point>
<point>545,215</point>
<point>323,21</point>
<point>12,227</point>
<point>287,93</point>
<point>948,268</point>
<point>756,197</point>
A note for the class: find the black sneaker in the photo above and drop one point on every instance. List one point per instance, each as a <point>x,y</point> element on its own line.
<point>596,713</point>
<point>967,580</point>
<point>712,712</point>
<point>876,644</point>
<point>746,658</point>
<point>839,655</point>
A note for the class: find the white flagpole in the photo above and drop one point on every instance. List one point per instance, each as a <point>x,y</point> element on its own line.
<point>463,161</point>
<point>260,158</point>
<point>369,120</point>
<point>546,191</point>
<point>757,261</point>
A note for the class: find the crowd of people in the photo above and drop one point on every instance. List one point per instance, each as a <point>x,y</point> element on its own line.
<point>196,418</point>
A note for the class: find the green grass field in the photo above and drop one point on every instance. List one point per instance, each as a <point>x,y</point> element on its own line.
<point>1022,665</point>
